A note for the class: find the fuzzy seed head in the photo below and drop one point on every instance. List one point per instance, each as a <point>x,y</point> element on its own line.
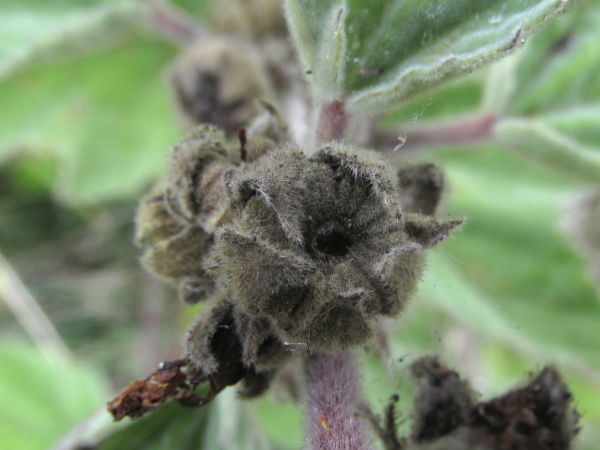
<point>217,81</point>
<point>195,178</point>
<point>319,246</point>
<point>176,220</point>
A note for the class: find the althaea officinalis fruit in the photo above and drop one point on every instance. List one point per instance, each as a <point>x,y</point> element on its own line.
<point>303,252</point>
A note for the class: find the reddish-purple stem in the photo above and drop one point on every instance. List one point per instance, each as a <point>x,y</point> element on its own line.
<point>333,393</point>
<point>331,123</point>
<point>464,130</point>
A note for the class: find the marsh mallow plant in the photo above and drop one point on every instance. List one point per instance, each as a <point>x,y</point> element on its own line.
<point>299,232</point>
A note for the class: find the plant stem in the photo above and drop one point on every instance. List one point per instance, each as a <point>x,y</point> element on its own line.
<point>331,122</point>
<point>463,130</point>
<point>333,394</point>
<point>31,316</point>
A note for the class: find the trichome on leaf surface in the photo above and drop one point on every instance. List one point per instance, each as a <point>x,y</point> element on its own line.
<point>299,244</point>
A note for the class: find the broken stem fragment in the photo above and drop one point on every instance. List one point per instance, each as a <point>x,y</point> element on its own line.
<point>173,379</point>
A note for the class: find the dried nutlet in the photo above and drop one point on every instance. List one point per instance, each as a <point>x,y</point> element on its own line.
<point>172,249</point>
<point>421,187</point>
<point>217,81</point>
<point>319,246</point>
<point>443,402</point>
<point>195,186</point>
<point>175,221</point>
<point>250,18</point>
<point>218,343</point>
<point>538,416</point>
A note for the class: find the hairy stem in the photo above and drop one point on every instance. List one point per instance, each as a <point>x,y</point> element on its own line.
<point>333,394</point>
<point>331,122</point>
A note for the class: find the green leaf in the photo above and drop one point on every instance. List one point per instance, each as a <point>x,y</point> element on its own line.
<point>236,424</point>
<point>397,50</point>
<point>581,123</point>
<point>559,66</point>
<point>42,399</point>
<point>32,32</point>
<point>282,422</point>
<point>540,143</point>
<point>456,98</point>
<point>317,28</point>
<point>418,45</point>
<point>198,9</point>
<point>106,118</point>
<point>169,427</point>
<point>511,273</point>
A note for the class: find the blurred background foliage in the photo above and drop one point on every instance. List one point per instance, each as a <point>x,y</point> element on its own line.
<point>87,121</point>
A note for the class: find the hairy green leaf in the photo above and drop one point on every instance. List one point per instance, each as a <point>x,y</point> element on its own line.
<point>317,28</point>
<point>418,45</point>
<point>396,50</point>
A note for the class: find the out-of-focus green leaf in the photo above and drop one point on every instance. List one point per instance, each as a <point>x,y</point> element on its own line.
<point>581,123</point>
<point>537,141</point>
<point>282,422</point>
<point>198,9</point>
<point>41,399</point>
<point>106,118</point>
<point>33,31</point>
<point>559,67</point>
<point>460,97</point>
<point>515,277</point>
<point>169,427</point>
<point>235,425</point>
<point>396,50</point>
<point>509,280</point>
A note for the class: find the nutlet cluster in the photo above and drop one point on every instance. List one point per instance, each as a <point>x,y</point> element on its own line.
<point>291,253</point>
